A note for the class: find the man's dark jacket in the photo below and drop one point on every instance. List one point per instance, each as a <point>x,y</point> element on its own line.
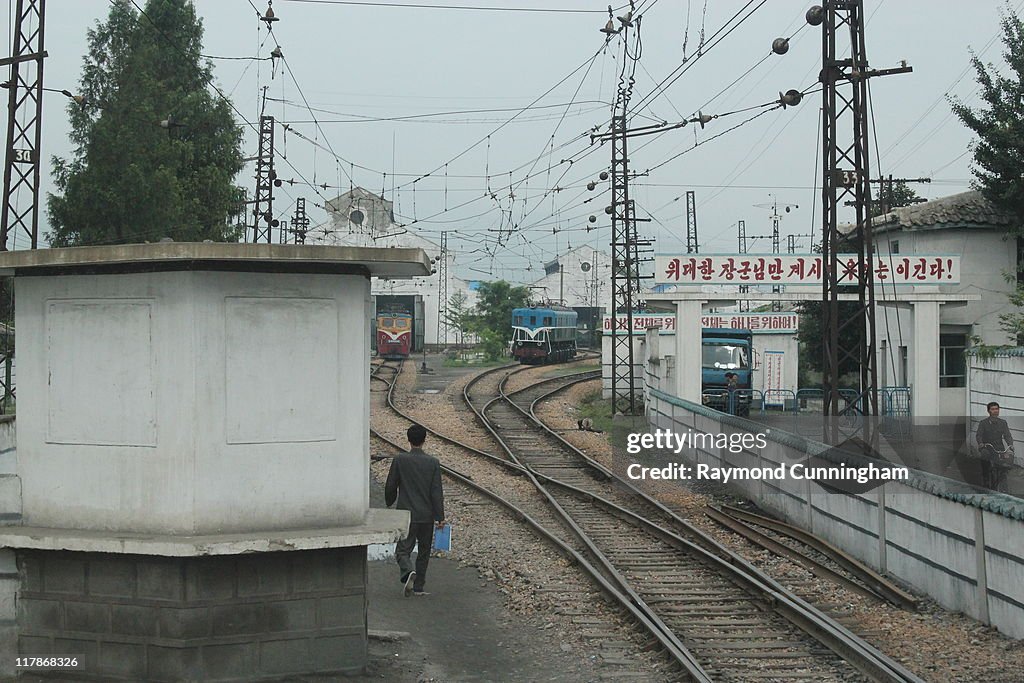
<point>994,431</point>
<point>415,480</point>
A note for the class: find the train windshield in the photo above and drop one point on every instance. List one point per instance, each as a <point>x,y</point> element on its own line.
<point>724,357</point>
<point>401,324</point>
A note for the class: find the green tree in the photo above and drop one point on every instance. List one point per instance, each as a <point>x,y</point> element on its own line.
<point>495,302</point>
<point>893,196</point>
<point>459,314</point>
<point>999,124</point>
<point>999,148</point>
<point>132,178</point>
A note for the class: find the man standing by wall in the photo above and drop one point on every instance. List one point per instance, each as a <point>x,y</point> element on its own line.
<point>415,481</point>
<point>993,437</point>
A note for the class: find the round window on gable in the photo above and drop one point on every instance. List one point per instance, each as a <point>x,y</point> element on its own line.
<point>356,216</point>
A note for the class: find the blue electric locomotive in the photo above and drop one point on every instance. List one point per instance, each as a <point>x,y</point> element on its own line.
<point>543,335</point>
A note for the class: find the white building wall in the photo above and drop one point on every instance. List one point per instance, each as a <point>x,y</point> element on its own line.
<point>578,285</point>
<point>790,348</point>
<point>986,257</point>
<point>378,229</point>
<point>193,402</point>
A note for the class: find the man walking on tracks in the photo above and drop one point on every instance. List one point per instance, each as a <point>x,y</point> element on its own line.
<point>415,481</point>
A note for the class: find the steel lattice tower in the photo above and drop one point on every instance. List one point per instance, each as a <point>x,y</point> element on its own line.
<point>300,221</point>
<point>691,223</point>
<point>19,217</point>
<point>845,175</point>
<point>263,201</point>
<point>25,98</point>
<point>741,231</point>
<point>776,289</point>
<point>442,291</point>
<point>625,277</point>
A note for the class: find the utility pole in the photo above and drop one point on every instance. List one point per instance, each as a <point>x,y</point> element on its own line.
<point>442,291</point>
<point>691,222</point>
<point>791,242</point>
<point>776,244</point>
<point>20,214</point>
<point>888,184</point>
<point>623,282</point>
<point>266,180</point>
<point>24,137</point>
<point>741,229</point>
<point>846,174</point>
<point>300,221</point>
<point>561,283</point>
<point>625,275</point>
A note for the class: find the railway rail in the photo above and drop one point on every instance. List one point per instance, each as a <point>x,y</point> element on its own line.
<point>714,614</point>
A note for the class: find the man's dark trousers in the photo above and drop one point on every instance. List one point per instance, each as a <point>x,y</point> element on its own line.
<point>421,533</point>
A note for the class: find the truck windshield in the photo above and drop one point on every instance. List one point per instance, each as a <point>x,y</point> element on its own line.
<point>724,357</point>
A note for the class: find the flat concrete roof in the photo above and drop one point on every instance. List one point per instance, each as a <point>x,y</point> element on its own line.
<point>379,526</point>
<point>291,258</point>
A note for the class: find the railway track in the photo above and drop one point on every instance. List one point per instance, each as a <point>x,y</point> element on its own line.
<point>715,615</point>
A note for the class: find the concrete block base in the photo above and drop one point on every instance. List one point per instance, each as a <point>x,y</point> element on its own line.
<point>259,616</point>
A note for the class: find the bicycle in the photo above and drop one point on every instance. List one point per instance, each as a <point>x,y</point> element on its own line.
<point>1000,463</point>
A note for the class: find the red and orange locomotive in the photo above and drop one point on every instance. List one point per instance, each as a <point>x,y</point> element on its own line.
<point>394,335</point>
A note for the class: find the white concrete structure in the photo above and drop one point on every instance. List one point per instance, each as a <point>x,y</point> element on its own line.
<point>193,430</point>
<point>963,224</point>
<point>195,401</point>
<point>924,306</point>
<point>360,218</point>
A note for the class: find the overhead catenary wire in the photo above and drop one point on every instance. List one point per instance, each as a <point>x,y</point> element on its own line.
<point>686,65</point>
<point>477,8</point>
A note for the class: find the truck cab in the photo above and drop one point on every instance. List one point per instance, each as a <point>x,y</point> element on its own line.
<point>723,351</point>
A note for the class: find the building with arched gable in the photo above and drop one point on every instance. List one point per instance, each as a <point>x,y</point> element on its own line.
<point>360,218</point>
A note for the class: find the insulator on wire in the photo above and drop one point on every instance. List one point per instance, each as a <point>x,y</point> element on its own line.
<point>591,185</point>
<point>815,16</point>
<point>603,175</point>
<point>609,210</point>
<point>780,46</point>
<point>592,219</point>
<point>269,15</point>
<point>792,98</point>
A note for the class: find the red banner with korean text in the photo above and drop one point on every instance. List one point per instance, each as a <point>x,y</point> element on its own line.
<point>800,269</point>
<point>761,323</point>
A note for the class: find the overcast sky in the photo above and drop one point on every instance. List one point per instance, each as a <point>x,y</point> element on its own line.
<point>355,63</point>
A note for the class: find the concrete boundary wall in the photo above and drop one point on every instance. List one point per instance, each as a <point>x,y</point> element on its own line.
<point>962,549</point>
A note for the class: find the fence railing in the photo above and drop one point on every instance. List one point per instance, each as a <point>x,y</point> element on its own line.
<point>894,402</point>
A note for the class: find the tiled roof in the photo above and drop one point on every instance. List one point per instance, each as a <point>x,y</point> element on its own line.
<point>964,210</point>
